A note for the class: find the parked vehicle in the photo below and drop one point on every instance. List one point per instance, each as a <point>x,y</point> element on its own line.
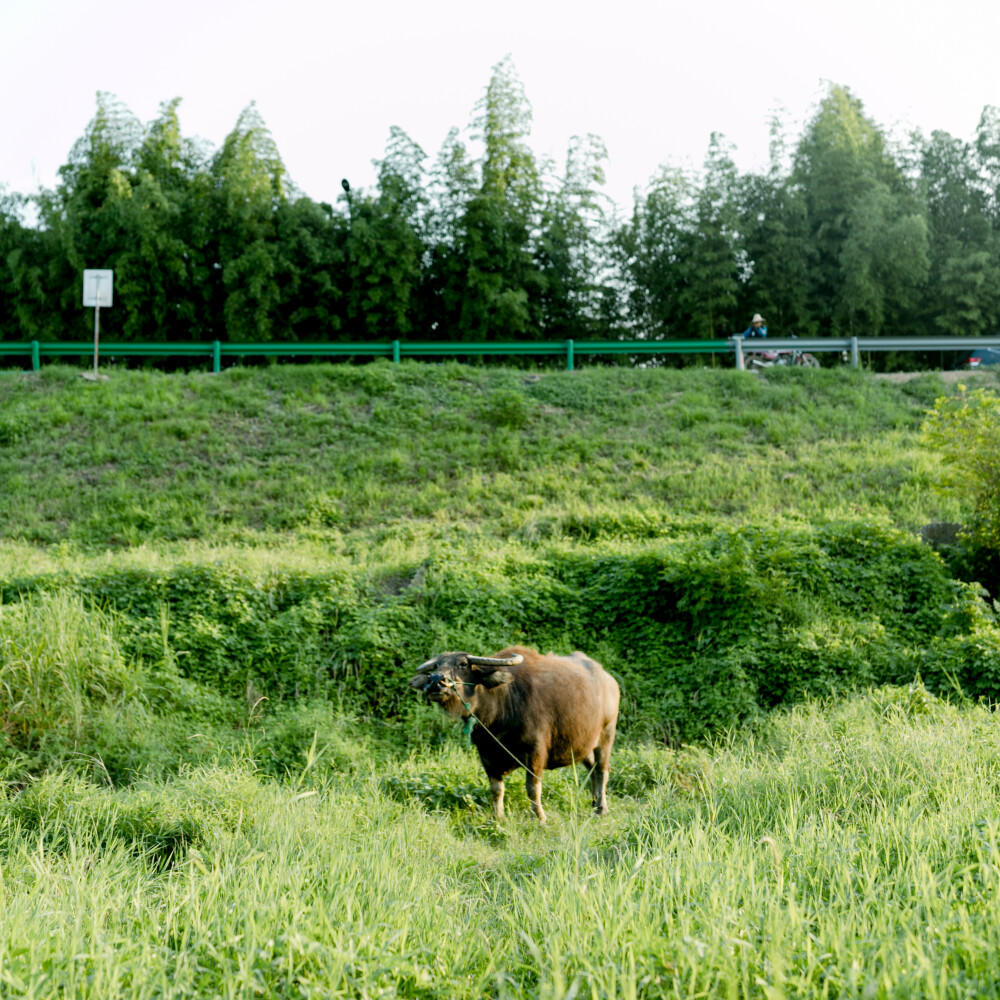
<point>771,359</point>
<point>984,357</point>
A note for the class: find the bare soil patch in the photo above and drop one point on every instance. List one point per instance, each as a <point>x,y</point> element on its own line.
<point>950,377</point>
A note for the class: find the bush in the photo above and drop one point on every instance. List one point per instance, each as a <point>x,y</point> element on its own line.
<point>966,430</point>
<point>704,632</point>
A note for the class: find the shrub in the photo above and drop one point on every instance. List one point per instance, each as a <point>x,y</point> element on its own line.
<point>966,430</point>
<point>704,632</point>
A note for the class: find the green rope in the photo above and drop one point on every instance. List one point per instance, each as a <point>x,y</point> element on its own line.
<point>470,724</point>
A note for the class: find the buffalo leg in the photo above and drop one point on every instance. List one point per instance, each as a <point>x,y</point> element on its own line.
<point>496,793</point>
<point>599,775</point>
<point>533,784</point>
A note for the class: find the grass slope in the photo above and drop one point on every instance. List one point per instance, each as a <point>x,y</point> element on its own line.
<point>149,457</point>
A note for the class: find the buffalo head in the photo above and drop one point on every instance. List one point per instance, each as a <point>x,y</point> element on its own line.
<point>450,679</point>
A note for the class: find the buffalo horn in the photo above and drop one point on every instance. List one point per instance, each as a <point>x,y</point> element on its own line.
<point>496,661</point>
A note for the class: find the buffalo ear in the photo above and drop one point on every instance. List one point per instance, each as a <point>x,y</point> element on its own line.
<point>419,681</point>
<point>493,679</point>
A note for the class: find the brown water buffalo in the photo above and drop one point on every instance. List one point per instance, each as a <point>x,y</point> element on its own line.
<point>533,711</point>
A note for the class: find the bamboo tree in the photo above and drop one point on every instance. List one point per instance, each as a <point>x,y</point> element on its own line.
<point>486,281</point>
<point>26,255</point>
<point>572,248</point>
<point>775,240</point>
<point>711,253</point>
<point>451,187</point>
<point>89,214</point>
<point>865,222</point>
<point>310,261</point>
<point>250,186</point>
<point>651,246</point>
<point>157,274</point>
<point>384,249</point>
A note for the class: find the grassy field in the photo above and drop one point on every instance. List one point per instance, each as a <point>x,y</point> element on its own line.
<point>846,850</point>
<point>214,588</point>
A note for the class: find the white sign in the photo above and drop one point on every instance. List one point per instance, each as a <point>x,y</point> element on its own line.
<point>98,288</point>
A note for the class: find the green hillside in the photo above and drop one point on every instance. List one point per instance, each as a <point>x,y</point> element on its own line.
<point>215,782</point>
<point>725,543</point>
<point>344,451</point>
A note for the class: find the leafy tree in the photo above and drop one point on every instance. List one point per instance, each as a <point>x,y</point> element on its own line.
<point>962,289</point>
<point>883,262</point>
<point>864,221</point>
<point>90,215</point>
<point>250,186</point>
<point>22,271</point>
<point>711,257</point>
<point>966,429</point>
<point>121,203</point>
<point>452,186</point>
<point>155,276</point>
<point>651,248</point>
<point>310,261</point>
<point>485,281</point>
<point>11,231</point>
<point>987,145</point>
<point>841,234</point>
<point>383,254</point>
<point>778,253</point>
<point>571,248</point>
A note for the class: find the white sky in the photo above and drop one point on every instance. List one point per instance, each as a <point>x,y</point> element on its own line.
<point>653,79</point>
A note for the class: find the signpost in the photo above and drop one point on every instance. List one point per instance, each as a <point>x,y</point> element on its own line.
<point>98,290</point>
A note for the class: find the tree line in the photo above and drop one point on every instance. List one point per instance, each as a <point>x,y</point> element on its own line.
<point>844,233</point>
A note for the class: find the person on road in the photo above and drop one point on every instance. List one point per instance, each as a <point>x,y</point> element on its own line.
<point>757,327</point>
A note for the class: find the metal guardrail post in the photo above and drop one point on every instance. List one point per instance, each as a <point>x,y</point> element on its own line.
<point>395,352</point>
<point>855,353</point>
<point>36,360</point>
<point>740,363</point>
<point>216,357</point>
<point>569,355</point>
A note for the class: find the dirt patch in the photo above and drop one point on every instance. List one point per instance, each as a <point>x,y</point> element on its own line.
<point>950,377</point>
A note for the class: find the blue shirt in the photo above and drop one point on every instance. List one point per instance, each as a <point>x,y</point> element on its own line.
<point>751,332</point>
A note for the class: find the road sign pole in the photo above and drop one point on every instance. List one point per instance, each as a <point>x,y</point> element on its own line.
<point>97,326</point>
<point>94,284</point>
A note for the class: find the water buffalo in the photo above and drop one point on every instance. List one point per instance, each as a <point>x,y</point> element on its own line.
<point>533,711</point>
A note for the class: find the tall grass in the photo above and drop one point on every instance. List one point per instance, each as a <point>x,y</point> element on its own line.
<point>171,538</point>
<point>851,850</point>
<point>58,662</point>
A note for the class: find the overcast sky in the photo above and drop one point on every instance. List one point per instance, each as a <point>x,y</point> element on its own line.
<point>652,79</point>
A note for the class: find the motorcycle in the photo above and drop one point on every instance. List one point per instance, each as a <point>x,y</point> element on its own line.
<point>756,360</point>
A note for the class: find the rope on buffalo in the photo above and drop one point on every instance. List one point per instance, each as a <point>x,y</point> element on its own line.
<point>470,724</point>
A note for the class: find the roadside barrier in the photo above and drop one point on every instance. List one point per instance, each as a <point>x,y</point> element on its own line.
<point>639,350</point>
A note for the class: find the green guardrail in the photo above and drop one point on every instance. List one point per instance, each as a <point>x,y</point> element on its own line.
<point>395,350</point>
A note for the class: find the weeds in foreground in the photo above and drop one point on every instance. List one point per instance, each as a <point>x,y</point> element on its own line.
<point>850,849</point>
